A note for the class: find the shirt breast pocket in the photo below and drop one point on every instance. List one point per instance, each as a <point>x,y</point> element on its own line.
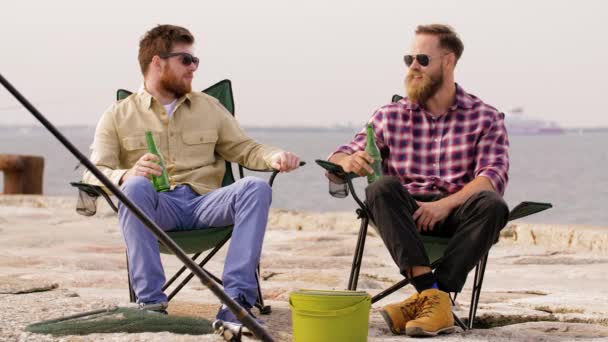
<point>199,148</point>
<point>135,147</point>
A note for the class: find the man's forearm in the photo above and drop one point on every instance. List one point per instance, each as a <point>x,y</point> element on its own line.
<point>478,184</point>
<point>337,157</point>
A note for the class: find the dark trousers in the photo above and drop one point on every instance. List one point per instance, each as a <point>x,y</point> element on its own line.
<point>472,228</point>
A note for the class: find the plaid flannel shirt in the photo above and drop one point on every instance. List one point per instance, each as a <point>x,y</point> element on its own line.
<point>439,155</point>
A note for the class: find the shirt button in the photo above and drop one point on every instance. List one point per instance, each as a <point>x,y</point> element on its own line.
<point>436,139</point>
<point>171,134</point>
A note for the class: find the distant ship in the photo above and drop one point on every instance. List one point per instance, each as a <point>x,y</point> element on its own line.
<point>519,124</point>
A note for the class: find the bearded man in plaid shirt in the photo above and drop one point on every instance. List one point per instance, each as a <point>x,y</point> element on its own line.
<point>445,163</point>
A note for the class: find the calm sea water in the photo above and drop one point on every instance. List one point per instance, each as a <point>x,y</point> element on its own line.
<point>567,170</point>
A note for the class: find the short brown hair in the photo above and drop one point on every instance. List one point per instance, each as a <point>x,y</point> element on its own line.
<point>160,40</point>
<point>448,39</point>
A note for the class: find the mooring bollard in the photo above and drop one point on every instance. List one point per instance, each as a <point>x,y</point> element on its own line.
<point>22,174</point>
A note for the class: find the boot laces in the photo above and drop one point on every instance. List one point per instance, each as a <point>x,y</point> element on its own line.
<point>427,305</point>
<point>410,307</point>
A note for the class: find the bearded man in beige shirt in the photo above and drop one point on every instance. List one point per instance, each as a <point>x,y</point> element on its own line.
<point>195,134</point>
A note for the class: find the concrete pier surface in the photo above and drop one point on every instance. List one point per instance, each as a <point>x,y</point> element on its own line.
<point>542,282</point>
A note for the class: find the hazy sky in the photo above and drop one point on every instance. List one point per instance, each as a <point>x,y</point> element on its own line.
<point>308,62</point>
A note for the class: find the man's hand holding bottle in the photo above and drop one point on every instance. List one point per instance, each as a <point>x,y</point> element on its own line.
<point>146,166</point>
<point>358,162</point>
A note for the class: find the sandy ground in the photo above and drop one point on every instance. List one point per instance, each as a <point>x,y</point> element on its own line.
<point>542,282</point>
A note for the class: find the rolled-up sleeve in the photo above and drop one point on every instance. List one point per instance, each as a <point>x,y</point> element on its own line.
<point>337,188</point>
<point>359,141</point>
<point>492,155</point>
<point>357,144</point>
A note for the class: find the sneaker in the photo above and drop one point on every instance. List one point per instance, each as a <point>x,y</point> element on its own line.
<point>397,315</point>
<point>433,315</point>
<point>160,308</point>
<point>228,319</point>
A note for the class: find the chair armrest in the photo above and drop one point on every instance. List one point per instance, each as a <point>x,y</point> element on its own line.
<point>338,171</point>
<point>94,191</point>
<point>91,190</point>
<point>256,170</point>
<point>302,163</point>
<point>272,176</point>
<point>527,208</point>
<point>276,172</point>
<point>335,169</point>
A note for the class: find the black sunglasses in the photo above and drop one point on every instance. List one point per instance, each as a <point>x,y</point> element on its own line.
<point>187,58</point>
<point>422,59</point>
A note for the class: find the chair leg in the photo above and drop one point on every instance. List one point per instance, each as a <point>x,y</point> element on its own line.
<point>212,276</point>
<point>178,273</point>
<point>187,280</point>
<point>477,283</point>
<point>473,294</point>
<point>356,266</point>
<point>401,284</point>
<point>459,322</point>
<point>259,303</point>
<point>390,290</point>
<point>132,296</point>
<point>456,318</point>
<point>453,299</point>
<point>201,264</point>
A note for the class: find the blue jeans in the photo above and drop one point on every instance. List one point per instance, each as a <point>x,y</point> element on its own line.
<point>244,204</point>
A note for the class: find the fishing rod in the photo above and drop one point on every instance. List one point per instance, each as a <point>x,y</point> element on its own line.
<point>240,313</point>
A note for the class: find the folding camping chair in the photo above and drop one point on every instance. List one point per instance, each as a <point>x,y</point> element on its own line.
<point>195,241</point>
<point>434,246</point>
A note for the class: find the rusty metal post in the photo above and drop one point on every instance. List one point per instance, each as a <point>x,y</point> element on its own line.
<point>22,174</point>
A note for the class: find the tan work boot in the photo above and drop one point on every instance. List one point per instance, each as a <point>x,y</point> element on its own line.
<point>433,315</point>
<point>396,315</point>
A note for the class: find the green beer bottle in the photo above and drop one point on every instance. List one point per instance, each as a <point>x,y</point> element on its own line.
<point>373,152</point>
<point>161,183</point>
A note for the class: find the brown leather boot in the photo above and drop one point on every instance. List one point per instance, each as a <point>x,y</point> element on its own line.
<point>433,315</point>
<point>396,315</point>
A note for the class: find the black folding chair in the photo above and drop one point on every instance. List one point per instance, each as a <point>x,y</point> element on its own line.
<point>195,241</point>
<point>434,246</point>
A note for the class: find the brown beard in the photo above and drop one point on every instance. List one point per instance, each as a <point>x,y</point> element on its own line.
<point>423,90</point>
<point>171,83</point>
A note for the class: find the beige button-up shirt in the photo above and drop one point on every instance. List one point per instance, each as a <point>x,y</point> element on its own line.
<point>194,141</point>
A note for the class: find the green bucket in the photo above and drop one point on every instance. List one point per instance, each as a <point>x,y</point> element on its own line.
<point>320,316</point>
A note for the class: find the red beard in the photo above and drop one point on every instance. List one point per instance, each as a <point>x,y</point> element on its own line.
<point>171,83</point>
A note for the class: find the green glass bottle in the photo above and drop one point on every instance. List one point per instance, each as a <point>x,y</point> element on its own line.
<point>372,150</point>
<point>161,183</point>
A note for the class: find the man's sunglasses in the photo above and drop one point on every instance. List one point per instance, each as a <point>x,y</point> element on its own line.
<point>187,58</point>
<point>422,59</point>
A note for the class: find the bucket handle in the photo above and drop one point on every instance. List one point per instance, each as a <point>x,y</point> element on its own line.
<point>329,313</point>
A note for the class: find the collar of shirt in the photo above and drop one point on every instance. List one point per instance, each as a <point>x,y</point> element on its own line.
<point>462,100</point>
<point>147,99</point>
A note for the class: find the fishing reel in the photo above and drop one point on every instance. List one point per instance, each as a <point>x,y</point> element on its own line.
<point>229,332</point>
